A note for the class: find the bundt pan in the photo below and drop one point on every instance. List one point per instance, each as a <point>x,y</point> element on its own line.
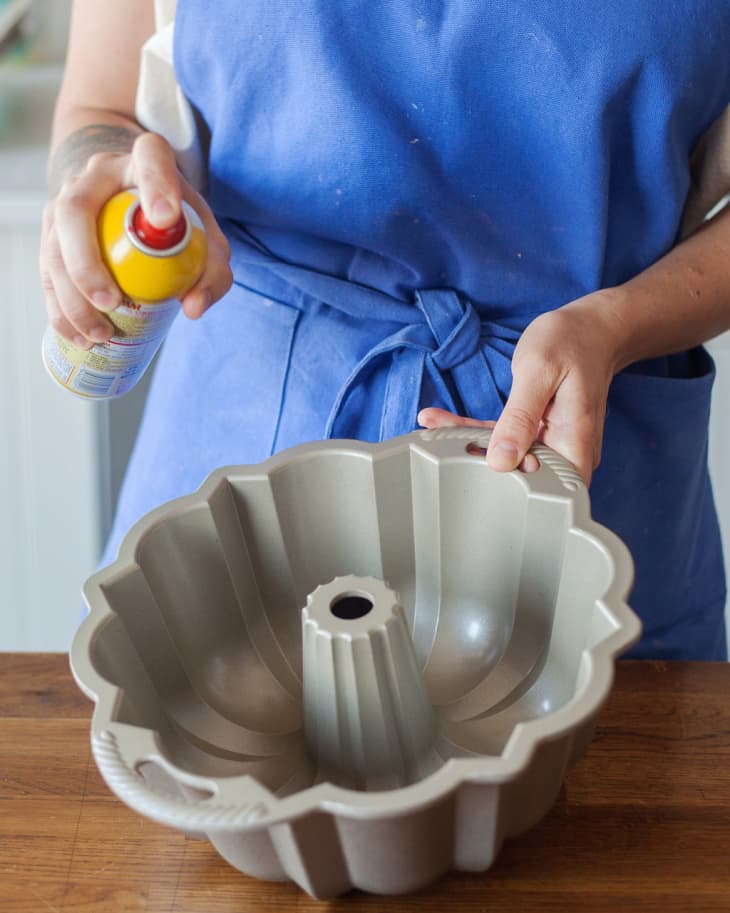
<point>356,665</point>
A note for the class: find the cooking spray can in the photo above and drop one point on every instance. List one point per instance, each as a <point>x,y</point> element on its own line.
<point>153,268</point>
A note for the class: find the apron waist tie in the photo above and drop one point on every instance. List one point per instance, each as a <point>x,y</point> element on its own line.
<point>467,359</point>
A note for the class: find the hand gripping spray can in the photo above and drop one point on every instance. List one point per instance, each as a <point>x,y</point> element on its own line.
<point>153,268</point>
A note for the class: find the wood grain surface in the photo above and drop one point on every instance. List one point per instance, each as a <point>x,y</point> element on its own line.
<point>642,823</point>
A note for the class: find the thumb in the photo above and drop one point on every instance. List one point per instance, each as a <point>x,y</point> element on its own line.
<point>517,427</point>
<point>154,165</point>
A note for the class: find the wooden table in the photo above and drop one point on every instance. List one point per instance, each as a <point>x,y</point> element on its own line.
<point>643,822</point>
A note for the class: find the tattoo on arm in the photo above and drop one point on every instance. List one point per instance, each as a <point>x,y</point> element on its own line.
<point>74,152</point>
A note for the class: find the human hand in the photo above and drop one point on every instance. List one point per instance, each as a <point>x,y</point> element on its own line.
<point>562,368</point>
<point>77,286</point>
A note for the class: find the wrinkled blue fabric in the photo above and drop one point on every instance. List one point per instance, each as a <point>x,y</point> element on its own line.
<point>405,186</point>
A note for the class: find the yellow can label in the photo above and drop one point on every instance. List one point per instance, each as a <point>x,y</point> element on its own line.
<point>111,368</point>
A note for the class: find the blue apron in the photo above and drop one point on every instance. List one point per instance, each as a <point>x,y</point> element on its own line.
<point>405,185</point>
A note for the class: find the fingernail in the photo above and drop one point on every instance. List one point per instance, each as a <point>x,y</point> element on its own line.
<point>99,333</point>
<point>105,301</point>
<point>81,342</point>
<point>162,211</point>
<point>502,455</point>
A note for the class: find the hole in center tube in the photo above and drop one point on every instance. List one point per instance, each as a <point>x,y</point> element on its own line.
<point>350,606</point>
<point>476,449</point>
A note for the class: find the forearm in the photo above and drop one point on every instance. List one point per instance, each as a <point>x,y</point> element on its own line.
<point>96,104</point>
<point>680,301</point>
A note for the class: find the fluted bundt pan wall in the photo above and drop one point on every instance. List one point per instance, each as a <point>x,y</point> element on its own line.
<point>356,665</point>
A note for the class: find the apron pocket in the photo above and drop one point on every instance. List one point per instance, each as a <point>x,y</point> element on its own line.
<point>653,489</point>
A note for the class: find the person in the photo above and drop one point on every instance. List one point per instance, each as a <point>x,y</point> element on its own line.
<point>426,212</point>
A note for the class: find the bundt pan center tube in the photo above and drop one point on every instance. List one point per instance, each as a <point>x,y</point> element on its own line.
<point>356,665</point>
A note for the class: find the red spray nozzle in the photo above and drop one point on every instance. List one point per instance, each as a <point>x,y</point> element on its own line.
<point>157,238</point>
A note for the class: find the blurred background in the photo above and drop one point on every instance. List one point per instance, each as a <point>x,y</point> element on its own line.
<point>61,458</point>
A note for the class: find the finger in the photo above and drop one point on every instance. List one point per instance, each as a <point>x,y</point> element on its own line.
<point>156,175</point>
<point>580,454</point>
<point>581,448</point>
<point>76,212</point>
<point>584,452</point>
<point>530,463</point>
<point>88,325</point>
<point>212,285</point>
<point>432,417</point>
<point>74,317</point>
<point>519,424</point>
<point>598,436</point>
<point>55,315</point>
<point>217,277</point>
<point>68,311</point>
<point>53,309</point>
<point>576,435</point>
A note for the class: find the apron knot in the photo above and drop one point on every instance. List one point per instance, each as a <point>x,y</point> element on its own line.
<point>466,359</point>
<point>455,326</point>
<point>439,335</point>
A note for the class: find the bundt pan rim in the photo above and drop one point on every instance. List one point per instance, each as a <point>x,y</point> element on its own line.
<point>597,663</point>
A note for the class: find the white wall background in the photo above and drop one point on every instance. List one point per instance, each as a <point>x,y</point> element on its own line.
<point>62,459</point>
<point>54,495</point>
<point>720,444</point>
